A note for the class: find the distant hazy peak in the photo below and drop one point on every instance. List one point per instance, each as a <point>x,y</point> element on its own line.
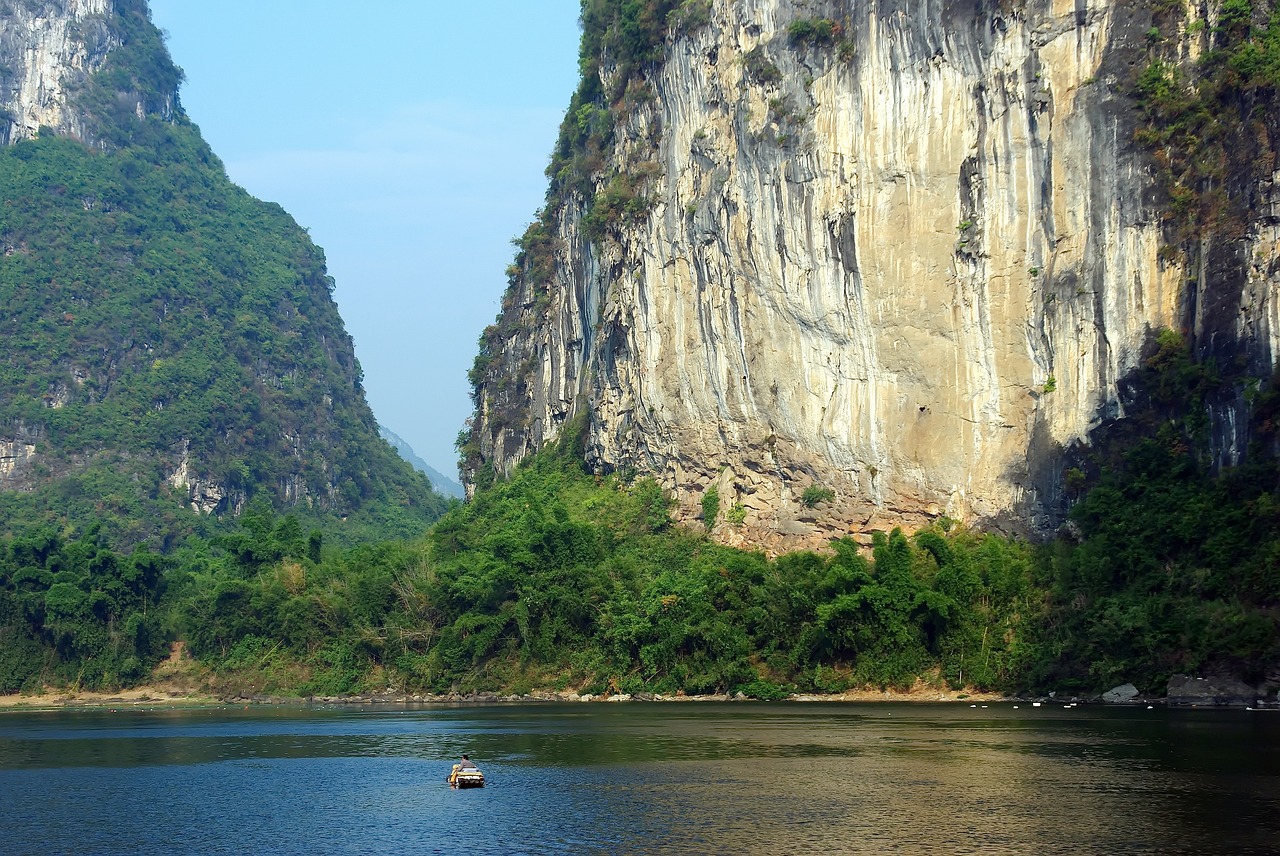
<point>442,483</point>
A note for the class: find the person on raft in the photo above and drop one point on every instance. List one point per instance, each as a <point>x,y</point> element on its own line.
<point>465,764</point>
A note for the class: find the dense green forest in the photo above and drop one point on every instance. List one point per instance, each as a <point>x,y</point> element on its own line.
<point>158,318</point>
<point>558,578</point>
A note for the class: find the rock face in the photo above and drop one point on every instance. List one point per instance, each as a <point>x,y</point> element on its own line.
<point>908,265</point>
<point>47,49</point>
<point>1185,690</point>
<point>15,457</point>
<point>1121,694</point>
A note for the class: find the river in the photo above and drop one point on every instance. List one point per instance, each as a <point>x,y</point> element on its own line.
<point>642,778</point>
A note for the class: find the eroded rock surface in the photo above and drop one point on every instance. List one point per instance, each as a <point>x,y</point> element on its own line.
<point>910,271</point>
<point>47,49</point>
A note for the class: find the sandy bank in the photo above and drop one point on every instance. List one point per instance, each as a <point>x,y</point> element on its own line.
<point>137,697</point>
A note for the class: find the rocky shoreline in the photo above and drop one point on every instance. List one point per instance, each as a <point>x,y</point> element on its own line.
<point>570,696</point>
<point>155,697</point>
<point>1183,691</point>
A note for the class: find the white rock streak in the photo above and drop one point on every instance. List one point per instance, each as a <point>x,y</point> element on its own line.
<point>49,47</point>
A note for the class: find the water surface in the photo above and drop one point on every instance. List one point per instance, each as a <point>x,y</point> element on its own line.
<point>642,778</point>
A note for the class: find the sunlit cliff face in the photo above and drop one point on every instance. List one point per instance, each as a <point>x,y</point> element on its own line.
<point>909,265</point>
<point>48,48</point>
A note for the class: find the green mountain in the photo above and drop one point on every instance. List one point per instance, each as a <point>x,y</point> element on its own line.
<point>171,349</point>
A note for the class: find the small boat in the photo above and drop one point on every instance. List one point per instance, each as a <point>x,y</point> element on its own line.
<point>467,777</point>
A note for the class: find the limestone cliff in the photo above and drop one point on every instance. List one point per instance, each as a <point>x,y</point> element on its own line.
<point>48,49</point>
<point>904,252</point>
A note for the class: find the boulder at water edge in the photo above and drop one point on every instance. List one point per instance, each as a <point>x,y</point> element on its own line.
<point>1184,689</point>
<point>1121,694</point>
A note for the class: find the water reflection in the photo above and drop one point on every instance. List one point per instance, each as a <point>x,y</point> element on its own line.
<point>642,778</point>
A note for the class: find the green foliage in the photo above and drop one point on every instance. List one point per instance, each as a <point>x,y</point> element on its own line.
<point>1178,387</point>
<point>814,31</point>
<point>764,690</point>
<point>1175,569</point>
<point>620,202</point>
<point>536,257</point>
<point>552,578</point>
<point>1207,122</point>
<point>620,603</point>
<point>689,16</point>
<point>815,494</point>
<point>76,613</point>
<point>760,68</point>
<point>1234,17</point>
<point>710,507</point>
<point>631,35</point>
<point>1176,573</point>
<point>138,71</point>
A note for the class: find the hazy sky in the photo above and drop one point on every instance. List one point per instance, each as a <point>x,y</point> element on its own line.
<point>410,138</point>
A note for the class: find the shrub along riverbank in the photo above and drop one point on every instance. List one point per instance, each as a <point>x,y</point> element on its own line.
<point>552,579</point>
<point>559,579</point>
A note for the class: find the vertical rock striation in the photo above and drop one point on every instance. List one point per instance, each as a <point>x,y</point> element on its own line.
<point>909,262</point>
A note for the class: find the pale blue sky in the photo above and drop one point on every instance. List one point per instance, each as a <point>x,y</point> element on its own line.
<point>411,139</point>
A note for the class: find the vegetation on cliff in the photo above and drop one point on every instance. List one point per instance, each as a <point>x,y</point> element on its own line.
<point>1211,121</point>
<point>621,43</point>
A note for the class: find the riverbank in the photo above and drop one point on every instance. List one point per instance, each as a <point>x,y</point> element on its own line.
<point>569,696</point>
<point>154,696</point>
<point>138,697</point>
